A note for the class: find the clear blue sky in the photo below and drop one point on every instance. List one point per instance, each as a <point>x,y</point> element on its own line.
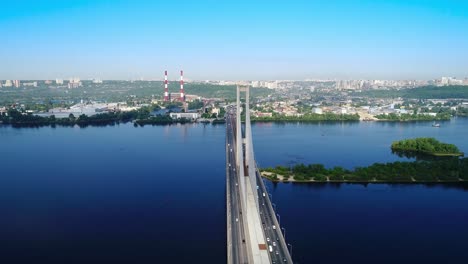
<point>393,39</point>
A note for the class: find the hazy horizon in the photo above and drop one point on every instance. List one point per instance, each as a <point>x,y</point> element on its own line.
<point>227,80</point>
<point>234,40</point>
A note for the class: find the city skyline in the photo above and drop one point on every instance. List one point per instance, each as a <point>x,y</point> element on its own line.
<point>394,40</point>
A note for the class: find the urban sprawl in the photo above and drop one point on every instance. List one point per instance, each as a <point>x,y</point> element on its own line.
<point>276,100</point>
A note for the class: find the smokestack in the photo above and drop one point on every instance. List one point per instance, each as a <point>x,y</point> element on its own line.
<point>182,94</point>
<point>166,91</point>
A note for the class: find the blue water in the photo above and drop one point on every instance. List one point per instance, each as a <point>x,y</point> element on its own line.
<point>156,194</point>
<point>346,144</point>
<point>378,223</point>
<point>113,194</point>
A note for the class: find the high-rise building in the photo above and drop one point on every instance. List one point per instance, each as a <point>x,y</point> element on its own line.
<point>450,81</point>
<point>272,85</point>
<point>34,84</point>
<point>8,83</point>
<point>74,83</point>
<point>59,81</point>
<point>444,80</point>
<point>17,83</point>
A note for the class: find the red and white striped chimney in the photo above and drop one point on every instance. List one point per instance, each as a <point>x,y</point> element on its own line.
<point>182,94</point>
<point>166,90</point>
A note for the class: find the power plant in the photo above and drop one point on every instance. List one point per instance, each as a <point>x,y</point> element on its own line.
<point>182,94</point>
<point>167,96</point>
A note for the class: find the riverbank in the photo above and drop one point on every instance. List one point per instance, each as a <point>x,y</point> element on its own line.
<point>140,117</point>
<point>281,120</point>
<point>445,170</point>
<point>283,179</point>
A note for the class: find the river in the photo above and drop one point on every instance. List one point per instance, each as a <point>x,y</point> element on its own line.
<point>156,194</point>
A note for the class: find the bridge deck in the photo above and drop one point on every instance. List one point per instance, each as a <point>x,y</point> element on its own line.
<point>255,232</point>
<point>256,220</point>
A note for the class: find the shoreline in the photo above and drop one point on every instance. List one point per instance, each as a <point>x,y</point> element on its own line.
<point>362,182</point>
<point>435,154</point>
<point>144,122</point>
<point>347,120</point>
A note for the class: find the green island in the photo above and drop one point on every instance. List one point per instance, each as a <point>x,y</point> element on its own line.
<point>429,146</point>
<point>452,170</point>
<point>447,166</point>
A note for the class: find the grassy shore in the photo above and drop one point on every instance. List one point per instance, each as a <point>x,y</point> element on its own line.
<point>450,169</point>
<point>281,178</point>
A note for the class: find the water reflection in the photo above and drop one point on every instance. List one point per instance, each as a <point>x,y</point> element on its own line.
<point>421,156</point>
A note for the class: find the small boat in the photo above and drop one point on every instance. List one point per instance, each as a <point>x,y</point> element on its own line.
<point>436,124</point>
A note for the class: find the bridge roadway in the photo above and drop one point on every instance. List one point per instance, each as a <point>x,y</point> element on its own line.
<point>236,233</point>
<point>267,214</point>
<point>271,228</point>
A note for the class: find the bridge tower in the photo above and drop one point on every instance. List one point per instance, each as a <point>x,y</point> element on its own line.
<point>249,154</point>
<point>245,160</point>
<point>239,150</point>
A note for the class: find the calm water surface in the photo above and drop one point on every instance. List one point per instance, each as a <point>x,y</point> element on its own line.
<point>157,195</point>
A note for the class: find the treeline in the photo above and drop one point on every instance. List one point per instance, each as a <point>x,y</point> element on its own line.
<point>449,170</point>
<point>425,92</point>
<point>160,120</point>
<point>462,111</point>
<point>140,117</point>
<point>413,117</point>
<point>308,118</point>
<point>427,146</point>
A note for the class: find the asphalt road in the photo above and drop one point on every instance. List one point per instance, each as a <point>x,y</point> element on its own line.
<point>280,252</point>
<point>237,228</point>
